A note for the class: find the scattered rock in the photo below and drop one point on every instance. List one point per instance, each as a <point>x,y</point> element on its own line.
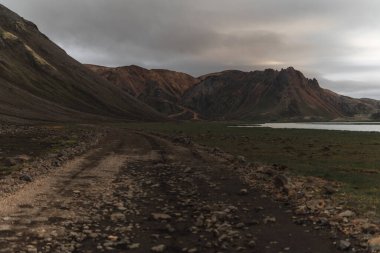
<point>241,159</point>
<point>243,192</point>
<point>26,178</point>
<point>329,189</point>
<point>346,214</point>
<point>158,248</point>
<point>134,246</point>
<point>269,219</point>
<point>117,217</point>
<point>252,244</point>
<point>317,204</point>
<point>344,245</point>
<point>160,216</point>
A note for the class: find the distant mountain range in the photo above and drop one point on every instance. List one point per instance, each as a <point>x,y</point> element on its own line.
<point>39,81</point>
<point>237,95</point>
<point>271,95</point>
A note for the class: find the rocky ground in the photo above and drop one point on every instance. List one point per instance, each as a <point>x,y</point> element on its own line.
<point>142,192</point>
<point>27,152</point>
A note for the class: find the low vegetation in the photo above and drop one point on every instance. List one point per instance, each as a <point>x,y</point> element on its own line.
<point>351,158</point>
<point>21,144</point>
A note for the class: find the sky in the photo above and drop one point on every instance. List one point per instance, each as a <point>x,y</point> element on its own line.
<point>337,42</point>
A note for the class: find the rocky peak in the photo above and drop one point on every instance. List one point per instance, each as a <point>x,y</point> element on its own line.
<point>134,68</point>
<point>11,21</point>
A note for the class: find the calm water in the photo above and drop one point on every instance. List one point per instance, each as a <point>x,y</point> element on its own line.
<point>343,126</point>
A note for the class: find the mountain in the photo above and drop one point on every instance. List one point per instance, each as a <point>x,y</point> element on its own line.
<point>270,95</point>
<point>159,88</point>
<point>39,81</point>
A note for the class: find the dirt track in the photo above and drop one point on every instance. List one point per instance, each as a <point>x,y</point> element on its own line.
<point>138,192</point>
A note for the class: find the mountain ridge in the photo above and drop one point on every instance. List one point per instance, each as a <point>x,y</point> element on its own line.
<point>256,95</point>
<point>271,94</point>
<point>40,81</point>
<point>159,88</point>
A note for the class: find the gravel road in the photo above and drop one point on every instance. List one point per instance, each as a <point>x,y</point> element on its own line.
<point>137,192</point>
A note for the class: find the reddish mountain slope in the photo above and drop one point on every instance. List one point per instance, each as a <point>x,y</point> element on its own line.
<point>161,89</point>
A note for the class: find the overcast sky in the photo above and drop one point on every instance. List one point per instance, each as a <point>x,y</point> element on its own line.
<point>336,41</point>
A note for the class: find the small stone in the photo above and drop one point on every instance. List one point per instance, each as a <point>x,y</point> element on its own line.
<point>26,178</point>
<point>112,238</point>
<point>170,228</point>
<point>316,204</point>
<point>193,250</point>
<point>243,192</point>
<point>158,248</point>
<point>155,236</point>
<point>344,245</point>
<point>269,219</point>
<point>241,159</point>
<point>240,225</point>
<point>329,189</point>
<point>117,217</point>
<point>346,214</point>
<point>160,216</point>
<point>200,221</point>
<point>252,244</point>
<point>134,246</point>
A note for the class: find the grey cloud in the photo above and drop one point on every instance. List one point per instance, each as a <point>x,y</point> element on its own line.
<point>201,36</point>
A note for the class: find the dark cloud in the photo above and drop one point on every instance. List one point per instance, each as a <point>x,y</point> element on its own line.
<point>335,41</point>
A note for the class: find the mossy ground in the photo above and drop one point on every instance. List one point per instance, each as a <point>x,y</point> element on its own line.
<point>36,142</point>
<point>352,158</point>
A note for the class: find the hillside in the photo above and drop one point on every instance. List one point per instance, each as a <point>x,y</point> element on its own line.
<point>159,88</point>
<point>39,81</point>
<point>270,95</point>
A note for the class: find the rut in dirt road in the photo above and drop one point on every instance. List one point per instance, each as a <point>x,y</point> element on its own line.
<point>142,193</point>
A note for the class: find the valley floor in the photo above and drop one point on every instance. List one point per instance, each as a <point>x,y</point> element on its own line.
<point>143,192</point>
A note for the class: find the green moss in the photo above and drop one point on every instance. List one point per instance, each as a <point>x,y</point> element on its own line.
<point>351,158</point>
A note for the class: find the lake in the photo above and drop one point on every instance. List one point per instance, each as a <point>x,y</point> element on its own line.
<point>340,126</point>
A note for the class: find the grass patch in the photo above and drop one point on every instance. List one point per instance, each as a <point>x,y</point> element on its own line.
<point>36,142</point>
<point>351,158</point>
